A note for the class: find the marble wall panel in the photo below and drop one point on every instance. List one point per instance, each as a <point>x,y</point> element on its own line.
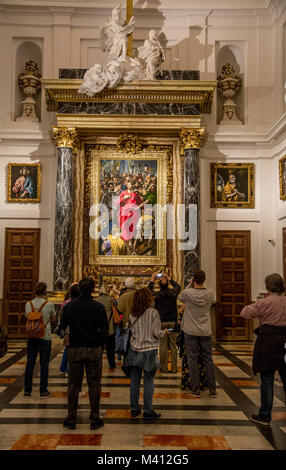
<point>64,220</point>
<point>132,109</point>
<point>192,196</point>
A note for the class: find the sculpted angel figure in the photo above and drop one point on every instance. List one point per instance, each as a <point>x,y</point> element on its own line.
<point>153,53</point>
<point>95,80</point>
<point>113,73</point>
<point>113,35</point>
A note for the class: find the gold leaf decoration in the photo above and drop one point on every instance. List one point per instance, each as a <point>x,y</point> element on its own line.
<point>192,138</point>
<point>66,137</point>
<point>130,143</point>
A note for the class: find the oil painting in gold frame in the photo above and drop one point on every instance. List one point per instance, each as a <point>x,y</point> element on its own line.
<point>282,178</point>
<point>24,182</point>
<point>232,185</point>
<point>121,167</point>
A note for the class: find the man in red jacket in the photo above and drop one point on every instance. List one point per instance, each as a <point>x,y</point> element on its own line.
<point>269,351</point>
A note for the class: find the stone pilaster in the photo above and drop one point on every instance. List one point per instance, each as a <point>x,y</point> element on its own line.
<point>66,141</point>
<point>191,142</point>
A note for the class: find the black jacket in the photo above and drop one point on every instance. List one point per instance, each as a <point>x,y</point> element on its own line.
<point>166,301</point>
<point>269,350</point>
<point>87,322</point>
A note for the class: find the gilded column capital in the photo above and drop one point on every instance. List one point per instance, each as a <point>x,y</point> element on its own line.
<point>66,137</point>
<point>192,138</point>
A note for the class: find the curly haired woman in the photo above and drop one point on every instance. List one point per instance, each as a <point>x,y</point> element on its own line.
<point>145,325</point>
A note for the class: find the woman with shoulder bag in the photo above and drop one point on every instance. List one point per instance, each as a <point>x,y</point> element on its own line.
<point>145,329</point>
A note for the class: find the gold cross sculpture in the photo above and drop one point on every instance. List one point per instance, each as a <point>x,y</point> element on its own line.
<point>129,13</point>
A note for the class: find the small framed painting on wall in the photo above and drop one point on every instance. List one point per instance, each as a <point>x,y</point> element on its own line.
<point>232,185</point>
<point>24,182</point>
<point>282,177</point>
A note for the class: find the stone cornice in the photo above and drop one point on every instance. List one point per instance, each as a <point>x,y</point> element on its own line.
<point>88,124</point>
<point>161,91</point>
<point>263,139</point>
<point>169,5</point>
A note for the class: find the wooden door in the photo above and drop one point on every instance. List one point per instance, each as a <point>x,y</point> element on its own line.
<point>21,273</point>
<point>233,284</point>
<point>284,252</point>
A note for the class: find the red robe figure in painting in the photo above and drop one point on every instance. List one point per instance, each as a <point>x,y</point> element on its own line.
<point>129,200</point>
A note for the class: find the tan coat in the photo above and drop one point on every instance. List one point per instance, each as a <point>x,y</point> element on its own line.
<point>125,304</point>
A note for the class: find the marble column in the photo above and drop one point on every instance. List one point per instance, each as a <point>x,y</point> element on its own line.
<point>66,141</point>
<point>191,142</point>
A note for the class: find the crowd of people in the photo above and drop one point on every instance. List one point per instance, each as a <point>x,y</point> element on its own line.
<point>154,324</point>
<point>113,183</point>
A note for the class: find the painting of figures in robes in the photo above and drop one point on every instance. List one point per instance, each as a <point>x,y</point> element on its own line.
<point>24,182</point>
<point>128,188</point>
<point>232,185</point>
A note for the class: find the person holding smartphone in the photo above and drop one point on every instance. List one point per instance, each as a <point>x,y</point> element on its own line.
<point>196,325</point>
<point>166,304</point>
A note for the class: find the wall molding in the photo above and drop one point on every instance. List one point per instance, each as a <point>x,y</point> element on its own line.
<point>268,139</point>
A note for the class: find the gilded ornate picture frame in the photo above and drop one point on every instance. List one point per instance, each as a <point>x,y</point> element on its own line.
<point>24,182</point>
<point>139,176</point>
<point>232,185</point>
<point>282,178</point>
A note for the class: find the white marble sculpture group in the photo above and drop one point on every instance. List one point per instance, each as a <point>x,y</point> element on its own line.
<point>113,39</point>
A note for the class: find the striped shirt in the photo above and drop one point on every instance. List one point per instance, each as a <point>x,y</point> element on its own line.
<point>146,332</point>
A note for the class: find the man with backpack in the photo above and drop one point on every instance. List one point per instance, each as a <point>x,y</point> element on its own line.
<point>39,313</point>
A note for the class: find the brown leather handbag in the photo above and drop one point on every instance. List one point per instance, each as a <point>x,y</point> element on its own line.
<point>116,316</point>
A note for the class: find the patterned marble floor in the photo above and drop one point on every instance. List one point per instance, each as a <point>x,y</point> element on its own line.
<point>203,423</point>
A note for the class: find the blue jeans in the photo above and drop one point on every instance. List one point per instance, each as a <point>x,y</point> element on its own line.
<point>43,347</point>
<point>136,373</point>
<point>266,389</point>
<point>64,363</point>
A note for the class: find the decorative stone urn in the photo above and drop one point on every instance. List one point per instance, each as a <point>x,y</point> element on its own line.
<point>31,84</point>
<point>228,84</point>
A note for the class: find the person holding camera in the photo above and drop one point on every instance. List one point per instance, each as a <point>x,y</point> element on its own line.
<point>196,325</point>
<point>166,304</point>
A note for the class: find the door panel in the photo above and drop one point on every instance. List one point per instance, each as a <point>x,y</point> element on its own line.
<point>21,273</point>
<point>284,252</point>
<point>233,284</point>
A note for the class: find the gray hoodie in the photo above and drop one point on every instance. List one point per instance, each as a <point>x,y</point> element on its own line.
<point>196,319</point>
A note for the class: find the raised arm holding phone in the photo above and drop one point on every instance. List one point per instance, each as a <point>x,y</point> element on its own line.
<point>196,325</point>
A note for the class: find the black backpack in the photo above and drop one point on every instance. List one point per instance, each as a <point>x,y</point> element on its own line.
<point>3,340</point>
